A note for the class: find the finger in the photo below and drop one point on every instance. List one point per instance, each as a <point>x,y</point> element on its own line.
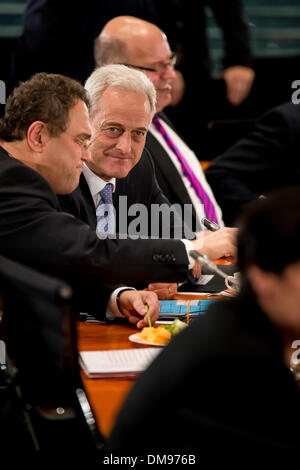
<point>156,285</point>
<point>147,298</point>
<point>162,293</point>
<point>139,306</point>
<point>142,323</point>
<point>133,319</point>
<point>154,308</point>
<point>165,294</point>
<point>196,270</point>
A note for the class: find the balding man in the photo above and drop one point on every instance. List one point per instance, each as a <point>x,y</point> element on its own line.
<point>143,46</point>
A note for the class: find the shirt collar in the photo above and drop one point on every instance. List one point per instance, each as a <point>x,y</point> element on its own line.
<point>95,183</point>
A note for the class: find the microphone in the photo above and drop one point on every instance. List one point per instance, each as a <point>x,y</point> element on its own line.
<point>210,225</point>
<point>230,281</point>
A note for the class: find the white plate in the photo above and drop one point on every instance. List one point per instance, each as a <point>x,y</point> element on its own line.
<point>136,339</point>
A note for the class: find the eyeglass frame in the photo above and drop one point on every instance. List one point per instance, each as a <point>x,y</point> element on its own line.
<point>171,63</point>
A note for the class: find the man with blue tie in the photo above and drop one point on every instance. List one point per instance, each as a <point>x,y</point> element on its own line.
<point>143,46</point>
<point>104,211</point>
<point>118,167</point>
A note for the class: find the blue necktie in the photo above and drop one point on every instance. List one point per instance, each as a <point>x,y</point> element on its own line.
<point>105,212</point>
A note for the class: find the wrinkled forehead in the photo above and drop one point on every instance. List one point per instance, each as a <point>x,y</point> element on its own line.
<point>123,106</point>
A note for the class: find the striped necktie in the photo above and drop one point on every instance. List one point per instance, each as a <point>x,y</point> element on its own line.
<point>105,212</point>
<point>188,172</point>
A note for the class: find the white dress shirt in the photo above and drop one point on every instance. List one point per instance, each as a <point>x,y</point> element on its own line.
<point>96,184</point>
<point>195,165</point>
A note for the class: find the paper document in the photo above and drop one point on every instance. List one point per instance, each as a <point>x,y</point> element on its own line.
<point>116,363</point>
<point>204,279</point>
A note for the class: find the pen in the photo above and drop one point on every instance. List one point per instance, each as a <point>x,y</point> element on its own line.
<point>210,225</point>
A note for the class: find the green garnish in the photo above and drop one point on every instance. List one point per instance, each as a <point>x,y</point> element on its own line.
<point>175,327</point>
<point>148,316</point>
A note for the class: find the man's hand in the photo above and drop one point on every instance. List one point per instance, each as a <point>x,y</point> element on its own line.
<point>163,290</point>
<point>238,81</point>
<point>197,270</point>
<point>132,304</point>
<point>221,243</point>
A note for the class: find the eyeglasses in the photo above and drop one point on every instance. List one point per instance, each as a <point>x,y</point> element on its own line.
<point>159,68</point>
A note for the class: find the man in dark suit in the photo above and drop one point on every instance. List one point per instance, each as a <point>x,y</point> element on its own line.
<point>59,38</point>
<point>44,142</point>
<point>212,97</point>
<point>265,159</point>
<point>44,136</point>
<point>116,150</point>
<point>138,187</point>
<point>226,391</point>
<point>142,45</point>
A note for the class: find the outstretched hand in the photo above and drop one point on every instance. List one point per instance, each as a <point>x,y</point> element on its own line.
<point>215,245</point>
<point>164,290</point>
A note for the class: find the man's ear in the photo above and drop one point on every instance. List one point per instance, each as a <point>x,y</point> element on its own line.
<point>262,282</point>
<point>37,136</point>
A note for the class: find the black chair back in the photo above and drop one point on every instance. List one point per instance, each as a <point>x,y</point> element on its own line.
<point>39,332</point>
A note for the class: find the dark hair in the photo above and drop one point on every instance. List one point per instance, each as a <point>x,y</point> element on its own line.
<point>269,234</point>
<point>44,97</point>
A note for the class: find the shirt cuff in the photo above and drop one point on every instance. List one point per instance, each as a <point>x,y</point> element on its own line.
<point>113,311</point>
<point>189,247</point>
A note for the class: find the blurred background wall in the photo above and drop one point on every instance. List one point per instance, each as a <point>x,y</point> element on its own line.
<point>275,39</point>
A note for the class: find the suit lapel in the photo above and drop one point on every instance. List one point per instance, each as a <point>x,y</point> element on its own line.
<point>88,202</point>
<point>164,163</point>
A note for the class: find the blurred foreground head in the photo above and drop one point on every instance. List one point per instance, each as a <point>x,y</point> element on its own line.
<point>269,256</point>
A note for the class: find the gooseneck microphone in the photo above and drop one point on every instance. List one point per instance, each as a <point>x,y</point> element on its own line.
<point>232,283</point>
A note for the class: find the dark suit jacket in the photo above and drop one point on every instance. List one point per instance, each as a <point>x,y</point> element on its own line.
<point>60,39</point>
<point>220,388</point>
<point>204,96</point>
<point>35,232</point>
<point>187,34</point>
<point>265,159</point>
<point>139,187</point>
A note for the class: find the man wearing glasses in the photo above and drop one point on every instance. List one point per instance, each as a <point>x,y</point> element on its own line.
<point>142,45</point>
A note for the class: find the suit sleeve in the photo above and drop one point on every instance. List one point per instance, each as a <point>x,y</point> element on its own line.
<point>230,16</point>
<point>263,160</point>
<point>33,232</point>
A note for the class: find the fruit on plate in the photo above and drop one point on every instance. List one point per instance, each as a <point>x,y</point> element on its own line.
<point>155,335</point>
<point>161,334</point>
<point>175,327</point>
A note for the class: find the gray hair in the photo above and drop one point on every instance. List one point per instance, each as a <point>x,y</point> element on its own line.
<point>119,76</point>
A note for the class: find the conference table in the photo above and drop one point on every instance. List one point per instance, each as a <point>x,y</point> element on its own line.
<point>106,395</point>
